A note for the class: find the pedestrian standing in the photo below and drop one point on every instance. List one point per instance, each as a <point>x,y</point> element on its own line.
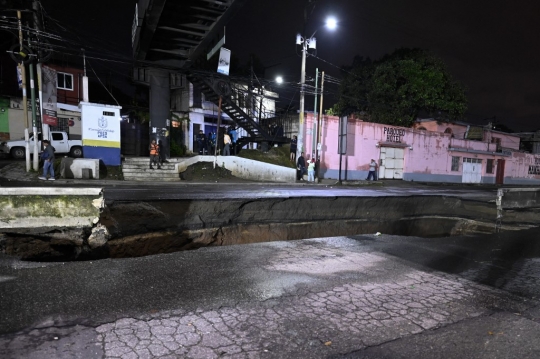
<point>201,141</point>
<point>372,170</point>
<point>311,170</point>
<point>226,144</point>
<point>212,142</point>
<point>301,166</point>
<point>154,155</point>
<point>234,138</point>
<point>293,149</point>
<point>48,161</point>
<point>162,155</point>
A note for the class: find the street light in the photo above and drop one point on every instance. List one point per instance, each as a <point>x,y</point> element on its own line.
<point>306,43</point>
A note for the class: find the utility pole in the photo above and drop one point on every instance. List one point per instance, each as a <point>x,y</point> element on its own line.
<point>38,27</point>
<point>318,133</point>
<point>314,123</point>
<point>300,135</point>
<point>25,100</point>
<point>85,79</point>
<point>319,119</point>
<point>34,119</point>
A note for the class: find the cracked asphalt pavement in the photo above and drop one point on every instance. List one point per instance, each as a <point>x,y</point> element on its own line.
<point>365,296</point>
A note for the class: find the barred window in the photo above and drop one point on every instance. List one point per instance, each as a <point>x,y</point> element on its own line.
<point>455,163</point>
<point>63,125</point>
<point>489,166</point>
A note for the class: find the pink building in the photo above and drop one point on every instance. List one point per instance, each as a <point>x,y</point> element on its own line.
<point>431,151</point>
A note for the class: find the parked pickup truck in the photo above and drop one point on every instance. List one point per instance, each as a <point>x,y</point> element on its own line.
<point>59,140</point>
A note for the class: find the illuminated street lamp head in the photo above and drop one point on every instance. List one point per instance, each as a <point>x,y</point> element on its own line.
<point>331,23</point>
<point>279,80</point>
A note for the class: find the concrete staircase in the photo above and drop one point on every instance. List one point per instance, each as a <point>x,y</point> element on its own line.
<point>138,169</point>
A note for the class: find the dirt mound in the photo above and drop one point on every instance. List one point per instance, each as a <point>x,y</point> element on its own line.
<point>205,172</point>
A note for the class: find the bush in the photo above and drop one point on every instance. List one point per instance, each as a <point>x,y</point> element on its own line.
<point>177,150</point>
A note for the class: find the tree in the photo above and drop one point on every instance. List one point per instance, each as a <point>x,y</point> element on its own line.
<point>395,89</point>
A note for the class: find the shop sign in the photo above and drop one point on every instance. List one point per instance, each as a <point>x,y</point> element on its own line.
<point>393,134</point>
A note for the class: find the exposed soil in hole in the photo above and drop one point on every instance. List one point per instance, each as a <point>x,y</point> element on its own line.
<point>130,229</point>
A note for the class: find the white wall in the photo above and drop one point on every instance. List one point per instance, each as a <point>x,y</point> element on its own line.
<point>246,169</point>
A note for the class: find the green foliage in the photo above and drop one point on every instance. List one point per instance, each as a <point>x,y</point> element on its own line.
<point>141,114</point>
<point>178,118</point>
<point>395,89</point>
<point>177,150</point>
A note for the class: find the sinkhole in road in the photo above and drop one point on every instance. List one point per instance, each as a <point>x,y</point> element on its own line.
<point>154,243</point>
<point>134,229</point>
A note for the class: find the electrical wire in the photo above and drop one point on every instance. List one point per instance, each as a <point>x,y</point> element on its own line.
<point>105,87</point>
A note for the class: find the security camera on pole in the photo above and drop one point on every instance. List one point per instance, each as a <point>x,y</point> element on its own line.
<point>306,43</point>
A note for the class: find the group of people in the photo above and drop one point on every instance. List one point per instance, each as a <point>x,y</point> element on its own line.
<point>157,155</point>
<point>304,168</point>
<point>310,168</point>
<point>207,144</point>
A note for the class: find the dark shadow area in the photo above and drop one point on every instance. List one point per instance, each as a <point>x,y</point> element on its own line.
<point>505,260</point>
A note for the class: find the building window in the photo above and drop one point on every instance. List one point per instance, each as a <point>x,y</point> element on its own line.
<point>65,81</point>
<point>455,163</point>
<point>197,97</point>
<point>497,142</point>
<point>471,160</point>
<point>489,166</point>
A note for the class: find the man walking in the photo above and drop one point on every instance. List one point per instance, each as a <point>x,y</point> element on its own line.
<point>48,161</point>
<point>372,170</point>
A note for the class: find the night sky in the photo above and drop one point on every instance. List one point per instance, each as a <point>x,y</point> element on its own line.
<point>492,47</point>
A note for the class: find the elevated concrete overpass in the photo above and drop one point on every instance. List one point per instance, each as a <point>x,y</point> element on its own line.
<point>169,38</point>
<point>176,33</point>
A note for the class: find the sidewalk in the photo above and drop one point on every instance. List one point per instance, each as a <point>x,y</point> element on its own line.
<point>17,172</point>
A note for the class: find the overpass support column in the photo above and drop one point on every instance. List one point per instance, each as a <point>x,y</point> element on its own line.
<point>160,102</point>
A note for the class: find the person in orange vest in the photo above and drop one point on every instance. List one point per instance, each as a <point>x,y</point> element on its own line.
<point>154,154</point>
